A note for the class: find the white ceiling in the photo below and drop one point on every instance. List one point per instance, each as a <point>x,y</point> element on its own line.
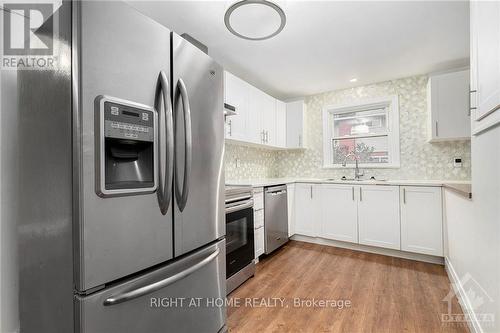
<point>324,43</point>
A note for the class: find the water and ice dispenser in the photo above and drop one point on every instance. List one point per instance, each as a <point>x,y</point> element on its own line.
<point>126,147</point>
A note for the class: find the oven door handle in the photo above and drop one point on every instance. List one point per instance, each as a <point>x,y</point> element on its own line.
<point>243,205</point>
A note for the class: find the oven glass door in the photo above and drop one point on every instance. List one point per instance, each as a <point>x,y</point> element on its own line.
<point>239,240</point>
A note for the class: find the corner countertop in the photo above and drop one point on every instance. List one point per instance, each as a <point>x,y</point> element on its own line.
<point>462,189</point>
<point>456,185</point>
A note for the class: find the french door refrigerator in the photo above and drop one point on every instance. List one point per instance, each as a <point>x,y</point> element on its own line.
<point>129,125</point>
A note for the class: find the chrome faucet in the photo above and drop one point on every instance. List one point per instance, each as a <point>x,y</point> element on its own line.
<point>357,173</point>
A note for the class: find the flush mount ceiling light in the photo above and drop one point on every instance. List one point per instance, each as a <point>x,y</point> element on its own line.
<point>255,19</point>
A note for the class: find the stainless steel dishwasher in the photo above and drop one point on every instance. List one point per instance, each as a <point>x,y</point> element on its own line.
<point>275,217</point>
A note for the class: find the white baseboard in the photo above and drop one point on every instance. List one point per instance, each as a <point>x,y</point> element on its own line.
<point>463,300</point>
<point>371,249</point>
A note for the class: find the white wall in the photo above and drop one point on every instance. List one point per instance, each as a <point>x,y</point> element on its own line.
<point>473,228</point>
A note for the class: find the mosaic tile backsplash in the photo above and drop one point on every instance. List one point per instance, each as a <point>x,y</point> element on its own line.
<point>420,160</point>
<point>253,163</point>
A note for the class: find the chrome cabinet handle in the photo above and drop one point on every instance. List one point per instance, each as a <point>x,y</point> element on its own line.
<point>130,295</point>
<point>471,107</point>
<point>353,193</point>
<point>360,194</point>
<point>311,192</point>
<point>404,195</point>
<point>165,181</point>
<point>300,140</point>
<point>230,128</point>
<point>437,129</point>
<point>183,196</point>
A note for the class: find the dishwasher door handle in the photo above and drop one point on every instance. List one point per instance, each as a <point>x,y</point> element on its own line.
<point>276,193</point>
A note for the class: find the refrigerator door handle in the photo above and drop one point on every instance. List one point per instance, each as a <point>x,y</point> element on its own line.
<point>183,196</point>
<point>166,180</point>
<point>130,295</point>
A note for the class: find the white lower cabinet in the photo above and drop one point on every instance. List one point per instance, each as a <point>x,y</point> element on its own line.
<point>407,218</point>
<point>259,241</point>
<point>258,218</point>
<point>421,220</point>
<point>258,221</point>
<point>339,213</point>
<point>290,189</point>
<point>307,209</point>
<point>378,216</point>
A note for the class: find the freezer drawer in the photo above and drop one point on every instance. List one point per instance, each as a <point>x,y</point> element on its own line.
<point>164,300</point>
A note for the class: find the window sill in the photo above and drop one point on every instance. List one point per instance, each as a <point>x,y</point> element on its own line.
<point>363,166</point>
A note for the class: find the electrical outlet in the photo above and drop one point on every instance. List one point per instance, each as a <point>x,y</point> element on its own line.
<point>457,162</point>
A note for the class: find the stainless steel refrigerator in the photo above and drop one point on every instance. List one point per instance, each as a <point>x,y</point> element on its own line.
<point>121,152</point>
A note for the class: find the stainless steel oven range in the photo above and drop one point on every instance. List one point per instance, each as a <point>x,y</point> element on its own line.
<point>240,251</point>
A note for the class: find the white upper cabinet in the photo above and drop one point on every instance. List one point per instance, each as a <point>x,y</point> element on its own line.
<point>448,106</point>
<point>236,95</point>
<point>295,112</point>
<point>268,118</point>
<point>260,118</point>
<point>485,63</point>
<point>255,115</point>
<point>280,124</point>
<point>378,216</point>
<point>421,220</point>
<point>339,213</point>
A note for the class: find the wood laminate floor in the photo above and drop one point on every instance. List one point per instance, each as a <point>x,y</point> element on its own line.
<point>387,294</point>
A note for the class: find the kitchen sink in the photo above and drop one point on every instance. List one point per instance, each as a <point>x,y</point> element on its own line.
<point>355,180</point>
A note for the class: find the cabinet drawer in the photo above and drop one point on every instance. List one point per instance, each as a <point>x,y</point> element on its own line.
<point>259,241</point>
<point>258,199</point>
<point>258,218</point>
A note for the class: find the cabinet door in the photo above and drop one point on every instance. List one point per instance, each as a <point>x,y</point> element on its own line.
<point>306,209</point>
<point>255,115</point>
<point>258,218</point>
<point>259,241</point>
<point>421,220</point>
<point>295,124</point>
<point>269,119</point>
<point>339,213</point>
<point>280,124</point>
<point>448,98</point>
<point>473,57</point>
<point>290,189</point>
<point>378,216</point>
<point>236,94</point>
<point>487,55</point>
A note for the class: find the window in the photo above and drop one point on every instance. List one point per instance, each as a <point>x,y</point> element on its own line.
<point>368,132</point>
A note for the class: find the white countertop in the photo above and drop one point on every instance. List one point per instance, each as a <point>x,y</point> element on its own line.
<point>277,181</point>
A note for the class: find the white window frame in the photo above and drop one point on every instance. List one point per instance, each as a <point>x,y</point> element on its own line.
<point>390,102</point>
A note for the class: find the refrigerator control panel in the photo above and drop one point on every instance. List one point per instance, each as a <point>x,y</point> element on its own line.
<point>125,122</point>
<point>126,147</point>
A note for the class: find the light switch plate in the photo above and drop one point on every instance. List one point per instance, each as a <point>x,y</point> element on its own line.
<point>457,162</point>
